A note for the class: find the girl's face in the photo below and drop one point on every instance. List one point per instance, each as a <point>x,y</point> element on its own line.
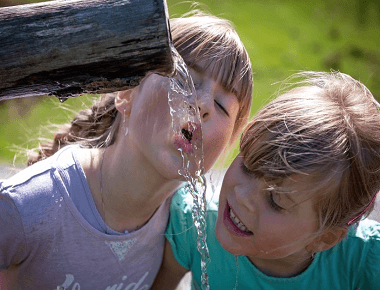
<point>150,124</point>
<point>260,223</point>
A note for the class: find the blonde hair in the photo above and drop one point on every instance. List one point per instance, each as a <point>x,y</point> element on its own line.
<point>213,42</point>
<point>197,37</point>
<point>327,127</point>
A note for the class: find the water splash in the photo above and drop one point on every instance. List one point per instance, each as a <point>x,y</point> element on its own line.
<point>237,271</point>
<point>184,110</point>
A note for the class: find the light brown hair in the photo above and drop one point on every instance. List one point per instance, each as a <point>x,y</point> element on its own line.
<point>327,126</point>
<point>213,41</point>
<point>197,37</point>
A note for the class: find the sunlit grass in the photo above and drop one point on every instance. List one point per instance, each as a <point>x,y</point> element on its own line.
<point>21,129</point>
<point>282,37</point>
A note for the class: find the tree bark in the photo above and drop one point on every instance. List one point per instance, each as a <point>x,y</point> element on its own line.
<point>68,48</point>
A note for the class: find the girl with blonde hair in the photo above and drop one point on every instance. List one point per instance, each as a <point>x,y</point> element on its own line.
<point>92,213</point>
<point>293,203</point>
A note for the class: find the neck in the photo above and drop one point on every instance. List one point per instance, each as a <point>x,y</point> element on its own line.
<point>126,191</point>
<point>284,268</point>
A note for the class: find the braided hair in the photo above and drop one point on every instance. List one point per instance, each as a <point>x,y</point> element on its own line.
<point>93,128</point>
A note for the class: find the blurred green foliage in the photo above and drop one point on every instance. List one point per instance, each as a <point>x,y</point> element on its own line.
<point>282,37</point>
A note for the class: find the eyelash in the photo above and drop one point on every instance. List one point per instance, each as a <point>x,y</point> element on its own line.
<point>245,169</point>
<point>222,108</point>
<point>271,201</point>
<point>273,204</point>
<point>197,84</point>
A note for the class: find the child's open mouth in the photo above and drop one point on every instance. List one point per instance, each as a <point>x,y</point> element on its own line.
<point>234,224</point>
<point>189,133</point>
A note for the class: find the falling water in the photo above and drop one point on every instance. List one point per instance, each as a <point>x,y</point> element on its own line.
<point>237,271</point>
<point>184,110</point>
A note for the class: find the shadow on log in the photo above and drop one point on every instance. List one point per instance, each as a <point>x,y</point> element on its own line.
<point>69,48</point>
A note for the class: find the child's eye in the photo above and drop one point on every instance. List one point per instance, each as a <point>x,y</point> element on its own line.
<point>222,108</point>
<point>245,169</point>
<point>197,85</point>
<point>273,204</point>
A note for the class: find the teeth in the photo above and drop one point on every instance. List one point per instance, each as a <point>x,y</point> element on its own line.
<point>238,223</point>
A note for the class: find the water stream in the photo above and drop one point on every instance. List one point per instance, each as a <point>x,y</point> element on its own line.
<point>182,101</point>
<point>186,122</point>
<point>237,272</point>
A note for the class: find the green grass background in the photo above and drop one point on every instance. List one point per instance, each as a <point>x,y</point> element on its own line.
<point>282,37</point>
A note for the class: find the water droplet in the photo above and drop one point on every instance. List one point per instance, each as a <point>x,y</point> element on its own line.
<point>62,99</point>
<point>184,110</point>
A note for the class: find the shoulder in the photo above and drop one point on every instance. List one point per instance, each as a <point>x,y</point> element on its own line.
<point>181,209</point>
<point>13,246</point>
<point>41,169</point>
<point>181,232</point>
<point>35,188</point>
<point>361,252</point>
<point>367,240</point>
<point>367,230</point>
<point>28,182</point>
<point>182,205</point>
<point>357,245</point>
<point>39,174</point>
<point>361,240</point>
<point>183,201</point>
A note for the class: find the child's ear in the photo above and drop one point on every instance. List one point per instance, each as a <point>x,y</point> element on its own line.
<point>123,101</point>
<point>327,240</point>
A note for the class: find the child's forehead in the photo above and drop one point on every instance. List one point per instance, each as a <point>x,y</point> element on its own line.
<point>205,69</point>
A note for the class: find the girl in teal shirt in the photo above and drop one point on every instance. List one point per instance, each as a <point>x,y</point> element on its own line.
<point>293,202</point>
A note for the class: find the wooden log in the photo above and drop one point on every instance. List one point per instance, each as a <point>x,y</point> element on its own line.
<point>68,48</point>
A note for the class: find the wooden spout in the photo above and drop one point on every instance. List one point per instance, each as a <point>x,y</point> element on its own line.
<point>69,48</point>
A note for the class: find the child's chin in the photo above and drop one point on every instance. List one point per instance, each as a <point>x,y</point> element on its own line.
<point>218,231</point>
<point>229,247</point>
<point>224,238</point>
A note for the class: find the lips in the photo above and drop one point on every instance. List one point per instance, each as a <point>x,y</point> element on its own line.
<point>233,223</point>
<point>190,133</point>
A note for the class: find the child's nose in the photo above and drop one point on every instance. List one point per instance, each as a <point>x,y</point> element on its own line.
<point>204,105</point>
<point>244,196</point>
<point>205,101</point>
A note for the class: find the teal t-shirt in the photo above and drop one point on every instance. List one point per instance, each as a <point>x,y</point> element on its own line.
<point>354,263</point>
